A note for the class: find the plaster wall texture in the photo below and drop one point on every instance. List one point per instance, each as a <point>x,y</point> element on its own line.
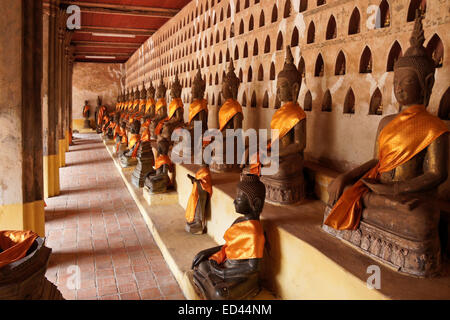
<point>91,80</point>
<point>11,191</point>
<point>336,139</point>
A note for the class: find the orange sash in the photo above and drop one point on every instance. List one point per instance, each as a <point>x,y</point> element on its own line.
<point>15,245</point>
<point>197,106</point>
<point>410,132</point>
<point>160,104</point>
<point>162,160</point>
<point>141,105</point>
<point>244,240</point>
<point>228,111</point>
<point>116,131</point>
<point>150,103</point>
<point>175,104</point>
<point>101,112</point>
<point>283,120</point>
<point>146,135</point>
<point>85,110</point>
<point>133,140</point>
<point>204,175</point>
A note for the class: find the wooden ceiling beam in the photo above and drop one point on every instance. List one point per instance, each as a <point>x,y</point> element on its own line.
<point>116,30</point>
<point>105,8</point>
<point>97,53</point>
<point>104,44</point>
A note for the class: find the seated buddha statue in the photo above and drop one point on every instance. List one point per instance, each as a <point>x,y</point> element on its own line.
<point>198,109</point>
<point>86,115</point>
<point>230,117</point>
<point>142,102</point>
<point>160,109</point>
<point>198,200</point>
<point>230,271</point>
<point>159,180</point>
<point>175,113</point>
<point>387,205</point>
<point>287,185</point>
<point>128,157</point>
<point>100,112</point>
<point>121,138</point>
<point>134,107</point>
<point>150,103</point>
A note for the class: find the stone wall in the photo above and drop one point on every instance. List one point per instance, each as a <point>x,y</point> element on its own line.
<point>255,33</point>
<point>91,80</point>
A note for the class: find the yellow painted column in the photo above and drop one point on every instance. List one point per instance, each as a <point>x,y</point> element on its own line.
<point>62,152</point>
<point>67,140</point>
<point>51,176</point>
<point>23,216</point>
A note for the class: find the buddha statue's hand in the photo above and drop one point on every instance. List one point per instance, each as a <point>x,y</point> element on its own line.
<point>379,188</point>
<point>336,188</point>
<point>193,180</point>
<point>204,255</point>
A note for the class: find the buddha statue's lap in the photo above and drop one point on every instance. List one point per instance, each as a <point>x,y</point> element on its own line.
<point>128,157</point>
<point>231,271</point>
<point>389,201</point>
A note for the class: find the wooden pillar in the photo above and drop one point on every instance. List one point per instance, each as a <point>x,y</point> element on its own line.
<point>51,158</point>
<point>70,76</point>
<point>21,173</point>
<point>59,87</point>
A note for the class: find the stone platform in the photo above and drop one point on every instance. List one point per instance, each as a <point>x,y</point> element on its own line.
<point>301,260</point>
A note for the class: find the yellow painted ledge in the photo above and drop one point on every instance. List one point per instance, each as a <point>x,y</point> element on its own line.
<point>23,216</point>
<point>78,124</point>
<point>51,176</point>
<point>62,152</point>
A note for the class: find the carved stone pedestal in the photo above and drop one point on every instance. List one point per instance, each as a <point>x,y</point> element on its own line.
<point>419,258</point>
<point>127,162</point>
<point>25,279</point>
<point>284,191</point>
<point>145,164</point>
<point>87,124</point>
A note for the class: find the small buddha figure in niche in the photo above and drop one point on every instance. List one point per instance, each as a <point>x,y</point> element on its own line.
<point>287,185</point>
<point>160,109</point>
<point>393,195</point>
<point>198,109</point>
<point>99,113</point>
<point>86,115</point>
<point>342,69</point>
<point>128,157</point>
<point>198,200</point>
<point>387,20</point>
<point>230,272</point>
<point>159,180</point>
<point>321,70</point>
<point>230,117</point>
<point>175,115</point>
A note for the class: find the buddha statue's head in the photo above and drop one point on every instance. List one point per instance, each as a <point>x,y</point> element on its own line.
<point>414,72</point>
<point>117,118</point>
<point>136,127</point>
<point>289,79</point>
<point>86,102</point>
<point>161,90</point>
<point>136,93</point>
<point>143,92</point>
<point>175,91</point>
<point>99,101</point>
<point>250,197</point>
<point>230,84</point>
<point>162,146</point>
<point>123,125</point>
<point>151,91</point>
<point>198,86</point>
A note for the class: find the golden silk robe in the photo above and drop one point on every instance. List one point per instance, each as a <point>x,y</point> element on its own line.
<point>204,175</point>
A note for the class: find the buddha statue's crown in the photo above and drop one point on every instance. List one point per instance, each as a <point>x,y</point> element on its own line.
<point>162,86</point>
<point>198,80</point>
<point>253,188</point>
<point>176,86</point>
<point>290,71</point>
<point>416,56</point>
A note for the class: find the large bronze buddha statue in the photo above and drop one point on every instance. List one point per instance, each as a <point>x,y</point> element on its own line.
<point>387,206</point>
<point>160,109</point>
<point>128,157</point>
<point>230,272</point>
<point>175,114</point>
<point>287,185</point>
<point>158,181</point>
<point>230,117</point>
<point>86,114</point>
<point>198,109</point>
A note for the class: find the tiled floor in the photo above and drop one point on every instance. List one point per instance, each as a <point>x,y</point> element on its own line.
<point>97,232</point>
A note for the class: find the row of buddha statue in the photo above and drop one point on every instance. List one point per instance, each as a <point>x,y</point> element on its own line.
<point>386,206</point>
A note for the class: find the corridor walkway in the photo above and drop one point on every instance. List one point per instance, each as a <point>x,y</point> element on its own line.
<point>95,225</point>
